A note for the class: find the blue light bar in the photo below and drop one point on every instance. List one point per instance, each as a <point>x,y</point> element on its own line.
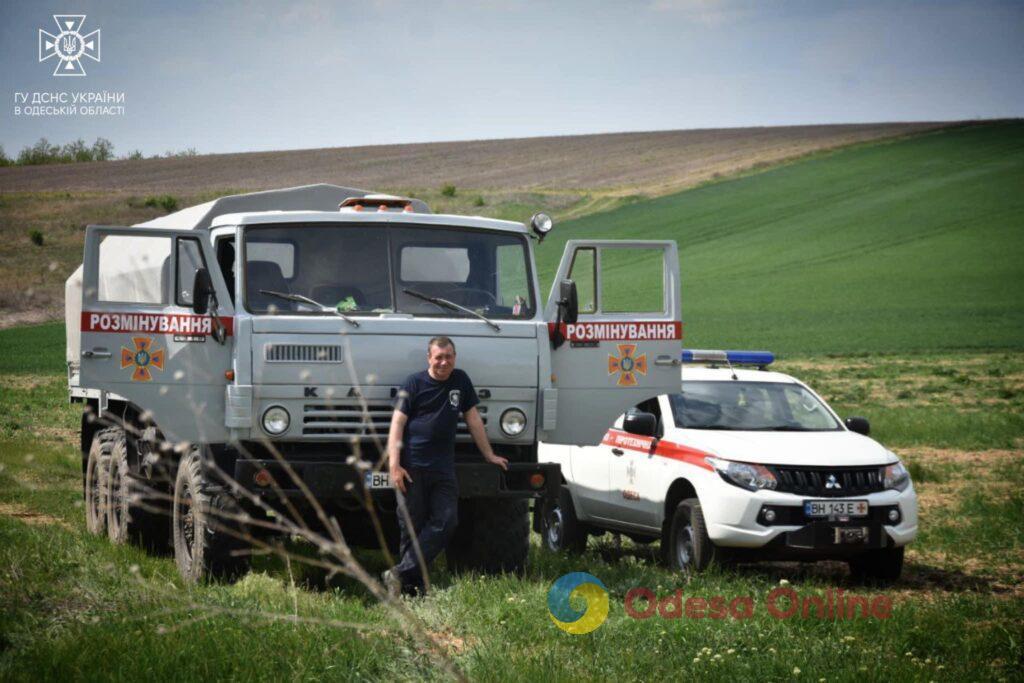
<point>759,358</point>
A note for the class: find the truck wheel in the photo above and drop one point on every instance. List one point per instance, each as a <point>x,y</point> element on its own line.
<point>560,529</point>
<point>97,481</point>
<point>687,547</point>
<point>134,511</point>
<point>493,536</point>
<point>883,566</point>
<point>207,542</point>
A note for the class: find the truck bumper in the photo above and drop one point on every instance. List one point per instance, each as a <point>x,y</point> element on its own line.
<point>344,483</point>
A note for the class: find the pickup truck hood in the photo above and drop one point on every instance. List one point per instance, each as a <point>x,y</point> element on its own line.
<point>832,449</point>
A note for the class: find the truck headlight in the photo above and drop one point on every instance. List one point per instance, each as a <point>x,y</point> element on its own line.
<point>276,420</point>
<point>896,477</point>
<point>513,422</point>
<point>744,475</point>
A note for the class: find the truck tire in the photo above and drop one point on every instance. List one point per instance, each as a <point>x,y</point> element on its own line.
<point>135,512</point>
<point>882,566</point>
<point>560,529</point>
<point>97,482</point>
<point>207,543</point>
<point>687,547</point>
<point>493,536</point>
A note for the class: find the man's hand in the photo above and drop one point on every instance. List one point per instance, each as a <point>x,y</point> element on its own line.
<point>497,460</point>
<point>399,476</point>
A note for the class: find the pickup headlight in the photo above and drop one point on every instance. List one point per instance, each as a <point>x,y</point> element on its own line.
<point>744,475</point>
<point>276,420</point>
<point>896,476</point>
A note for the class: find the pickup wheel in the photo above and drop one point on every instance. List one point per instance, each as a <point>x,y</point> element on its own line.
<point>687,546</point>
<point>882,566</point>
<point>97,474</point>
<point>135,512</point>
<point>560,529</point>
<point>493,536</point>
<point>207,542</point>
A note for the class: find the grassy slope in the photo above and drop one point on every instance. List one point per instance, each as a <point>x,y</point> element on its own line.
<point>907,246</point>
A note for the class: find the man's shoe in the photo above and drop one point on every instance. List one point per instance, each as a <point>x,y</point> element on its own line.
<point>392,583</point>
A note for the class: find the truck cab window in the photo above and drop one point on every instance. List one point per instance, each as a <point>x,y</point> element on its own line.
<point>226,262</point>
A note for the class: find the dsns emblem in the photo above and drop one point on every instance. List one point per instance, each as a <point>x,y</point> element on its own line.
<point>582,586</point>
<point>832,483</point>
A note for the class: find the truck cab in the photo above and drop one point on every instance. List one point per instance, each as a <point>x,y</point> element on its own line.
<point>258,342</point>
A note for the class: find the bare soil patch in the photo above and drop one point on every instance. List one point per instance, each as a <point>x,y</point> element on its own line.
<point>20,512</point>
<point>653,162</point>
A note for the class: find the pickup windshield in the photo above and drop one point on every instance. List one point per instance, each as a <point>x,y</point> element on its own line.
<point>365,270</point>
<point>750,406</point>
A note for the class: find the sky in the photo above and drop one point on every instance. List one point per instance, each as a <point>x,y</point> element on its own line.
<point>262,75</point>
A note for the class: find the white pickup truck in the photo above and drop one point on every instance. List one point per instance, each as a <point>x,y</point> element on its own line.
<point>741,464</point>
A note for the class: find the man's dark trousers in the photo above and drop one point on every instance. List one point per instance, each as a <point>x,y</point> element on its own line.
<point>432,498</point>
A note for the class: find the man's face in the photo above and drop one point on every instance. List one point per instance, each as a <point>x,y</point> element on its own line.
<point>441,362</point>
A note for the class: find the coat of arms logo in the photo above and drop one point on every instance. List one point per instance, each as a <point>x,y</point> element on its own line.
<point>69,46</point>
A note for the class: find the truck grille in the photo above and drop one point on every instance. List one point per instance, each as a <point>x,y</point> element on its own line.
<point>828,481</point>
<point>348,419</point>
<point>303,353</point>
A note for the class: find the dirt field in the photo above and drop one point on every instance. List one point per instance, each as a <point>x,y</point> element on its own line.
<point>649,163</point>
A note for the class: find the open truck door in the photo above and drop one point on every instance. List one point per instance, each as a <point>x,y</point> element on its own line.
<point>156,324</point>
<point>623,344</point>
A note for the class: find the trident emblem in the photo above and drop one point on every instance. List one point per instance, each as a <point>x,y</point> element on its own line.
<point>69,45</point>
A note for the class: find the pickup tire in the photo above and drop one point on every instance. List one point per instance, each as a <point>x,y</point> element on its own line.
<point>208,543</point>
<point>560,529</point>
<point>135,513</point>
<point>97,484</point>
<point>687,546</point>
<point>493,536</point>
<point>882,566</point>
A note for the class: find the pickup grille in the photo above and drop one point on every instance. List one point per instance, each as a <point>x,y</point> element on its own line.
<point>349,420</point>
<point>303,353</point>
<point>815,481</point>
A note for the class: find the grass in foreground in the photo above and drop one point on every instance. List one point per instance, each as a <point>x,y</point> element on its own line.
<point>74,606</point>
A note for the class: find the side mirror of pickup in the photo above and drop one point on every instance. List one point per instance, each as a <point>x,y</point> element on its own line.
<point>859,425</point>
<point>202,290</point>
<point>640,423</point>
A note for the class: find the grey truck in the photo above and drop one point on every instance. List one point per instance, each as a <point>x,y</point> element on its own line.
<point>249,349</point>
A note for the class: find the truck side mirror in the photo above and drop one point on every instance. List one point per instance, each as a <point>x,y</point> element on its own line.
<point>202,290</point>
<point>568,302</point>
<point>859,425</point>
<point>637,422</point>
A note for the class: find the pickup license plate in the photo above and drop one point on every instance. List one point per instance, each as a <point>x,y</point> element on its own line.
<point>378,480</point>
<point>836,508</point>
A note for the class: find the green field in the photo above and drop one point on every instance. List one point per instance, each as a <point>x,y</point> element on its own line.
<point>886,275</point>
<point>894,247</point>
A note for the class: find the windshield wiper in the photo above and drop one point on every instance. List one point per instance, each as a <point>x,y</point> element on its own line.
<point>444,303</point>
<point>307,300</point>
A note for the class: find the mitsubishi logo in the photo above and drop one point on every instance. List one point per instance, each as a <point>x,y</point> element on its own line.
<point>831,482</point>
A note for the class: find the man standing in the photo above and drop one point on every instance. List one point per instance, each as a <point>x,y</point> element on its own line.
<point>421,459</point>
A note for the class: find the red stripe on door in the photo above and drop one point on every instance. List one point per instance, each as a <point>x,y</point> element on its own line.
<point>665,449</point>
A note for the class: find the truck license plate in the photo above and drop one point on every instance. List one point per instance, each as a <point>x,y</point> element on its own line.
<point>836,508</point>
<point>378,480</point>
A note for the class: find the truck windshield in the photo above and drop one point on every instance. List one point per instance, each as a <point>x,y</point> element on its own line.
<point>363,270</point>
<point>750,406</point>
